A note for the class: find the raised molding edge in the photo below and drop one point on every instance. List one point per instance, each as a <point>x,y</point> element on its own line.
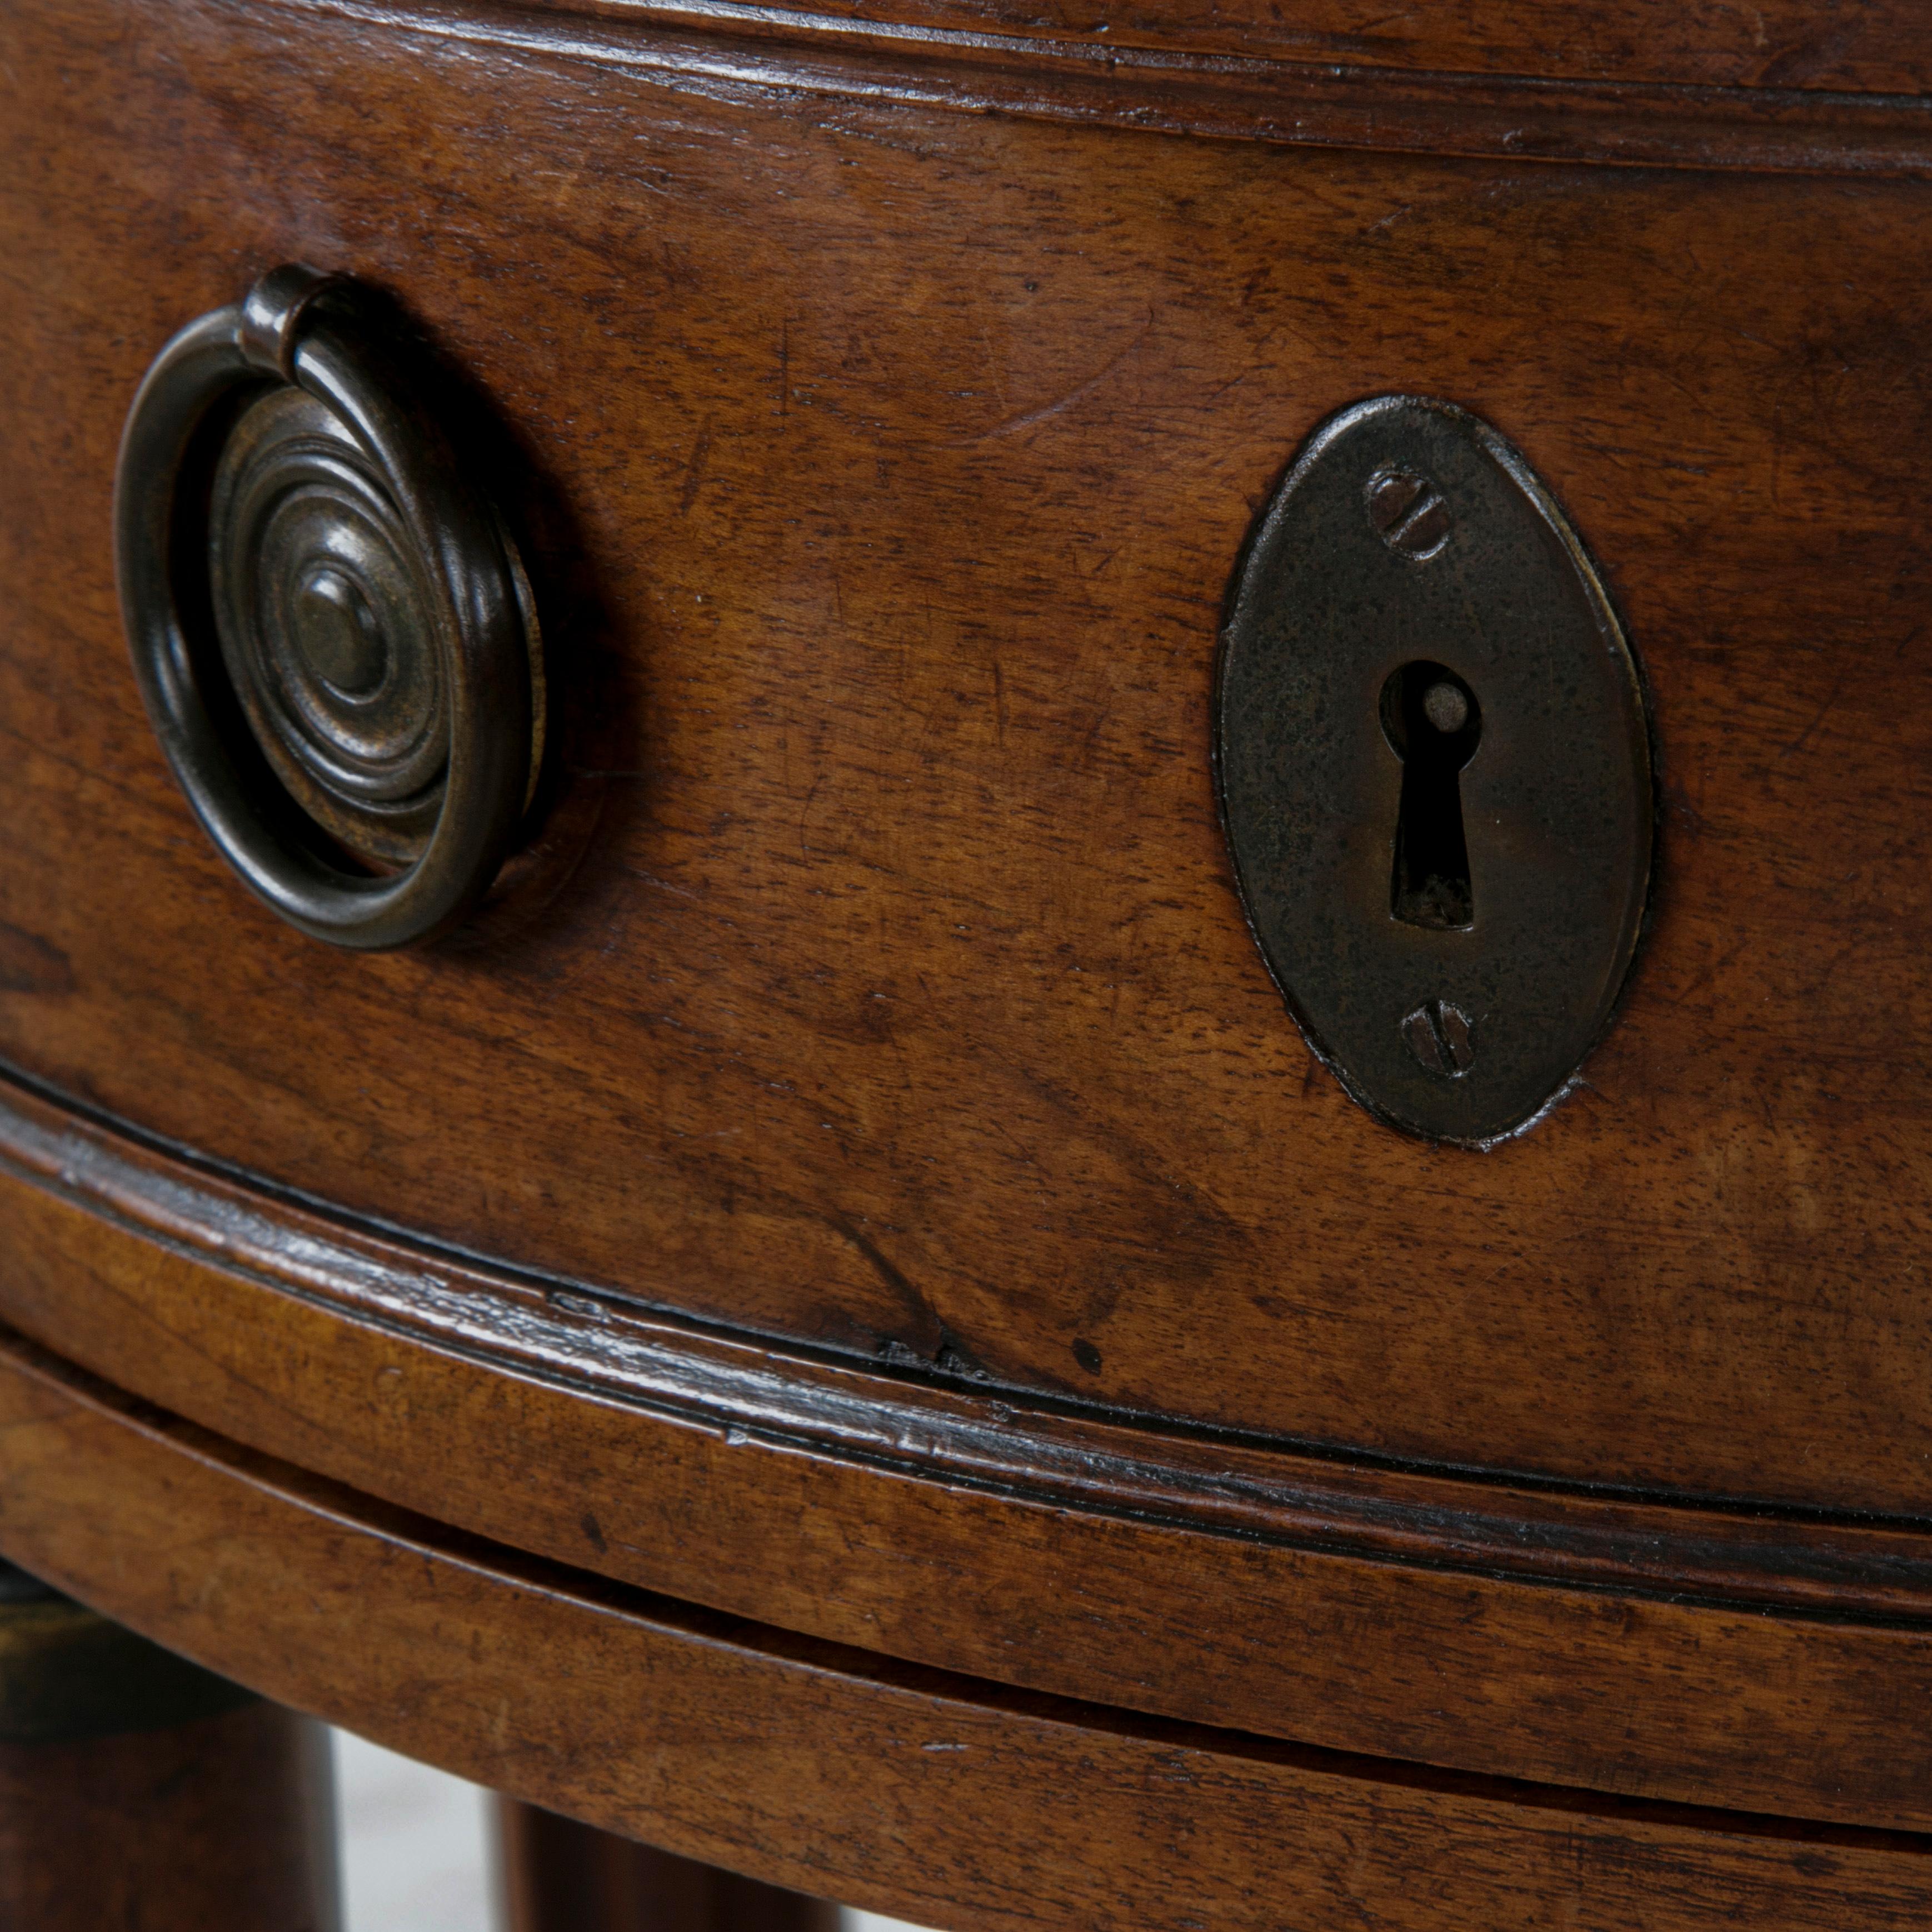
<point>732,49</point>
<point>827,1770</point>
<point>996,1440</point>
<point>1652,1650</point>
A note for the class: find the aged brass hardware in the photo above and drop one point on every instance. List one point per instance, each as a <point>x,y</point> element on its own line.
<point>332,631</point>
<point>1435,770</point>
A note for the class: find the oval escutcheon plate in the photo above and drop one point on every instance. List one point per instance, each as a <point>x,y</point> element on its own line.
<point>1434,763</point>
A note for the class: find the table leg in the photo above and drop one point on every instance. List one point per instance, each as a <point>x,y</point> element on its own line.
<point>136,1789</point>
<point>562,1876</point>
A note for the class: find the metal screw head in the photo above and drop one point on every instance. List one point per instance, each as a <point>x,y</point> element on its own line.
<point>1409,514</point>
<point>1440,1037</point>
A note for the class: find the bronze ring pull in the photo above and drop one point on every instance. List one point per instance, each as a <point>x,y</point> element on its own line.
<point>330,625</point>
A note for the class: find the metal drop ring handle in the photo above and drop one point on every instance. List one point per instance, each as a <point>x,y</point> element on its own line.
<point>329,622</point>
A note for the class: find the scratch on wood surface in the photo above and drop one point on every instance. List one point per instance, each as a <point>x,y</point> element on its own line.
<point>1079,393</point>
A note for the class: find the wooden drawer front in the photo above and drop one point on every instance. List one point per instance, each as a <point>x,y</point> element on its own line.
<point>878,981</point>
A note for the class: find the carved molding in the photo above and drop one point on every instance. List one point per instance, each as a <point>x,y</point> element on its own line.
<point>1093,79</point>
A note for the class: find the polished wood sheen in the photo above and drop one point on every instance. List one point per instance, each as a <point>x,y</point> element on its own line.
<point>884,987</point>
<point>836,1326</point>
<point>1789,46</point>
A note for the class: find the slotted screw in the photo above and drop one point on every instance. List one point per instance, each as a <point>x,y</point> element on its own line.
<point>1410,514</point>
<point>1440,1037</point>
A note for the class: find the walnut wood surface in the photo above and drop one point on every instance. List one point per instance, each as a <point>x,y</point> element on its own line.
<point>1727,1659</point>
<point>881,984</point>
<point>1195,77</point>
<point>937,1798</point>
<point>222,1825</point>
<point>856,1173</point>
<point>1786,44</point>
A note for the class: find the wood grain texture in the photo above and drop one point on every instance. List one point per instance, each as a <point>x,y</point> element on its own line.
<point>856,1174</point>
<point>1883,47</point>
<point>1193,80</point>
<point>940,1799</point>
<point>1705,1657</point>
<point>882,985</point>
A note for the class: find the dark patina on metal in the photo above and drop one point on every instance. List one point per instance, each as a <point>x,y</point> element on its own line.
<point>1434,761</point>
<point>332,631</point>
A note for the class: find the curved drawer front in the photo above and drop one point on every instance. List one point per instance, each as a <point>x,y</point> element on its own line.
<point>876,980</point>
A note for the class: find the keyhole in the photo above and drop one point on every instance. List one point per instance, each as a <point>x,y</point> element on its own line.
<point>1431,720</point>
